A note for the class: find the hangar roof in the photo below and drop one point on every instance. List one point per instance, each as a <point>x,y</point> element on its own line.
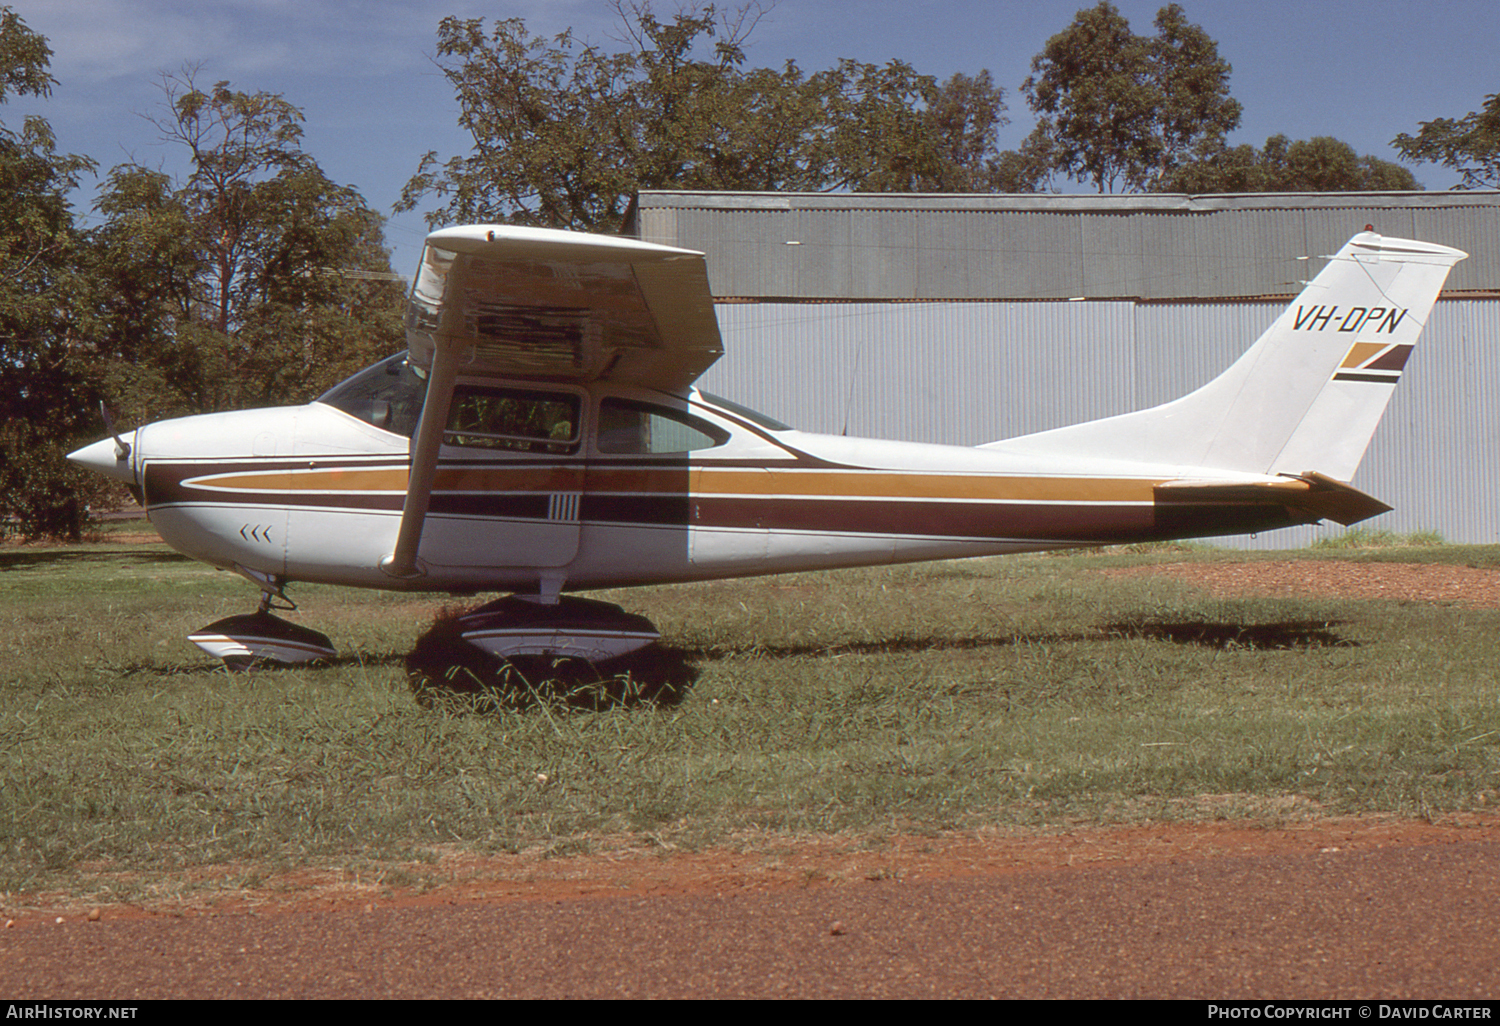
<point>913,246</point>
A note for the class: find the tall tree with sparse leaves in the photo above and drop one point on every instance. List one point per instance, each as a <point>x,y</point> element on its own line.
<point>1121,111</point>
<point>565,134</point>
<point>253,280</point>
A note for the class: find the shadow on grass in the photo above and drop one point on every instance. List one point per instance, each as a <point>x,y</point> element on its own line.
<point>371,659</point>
<point>1287,635</point>
<point>28,559</point>
<point>148,668</point>
<point>890,646</point>
<point>446,672</point>
<point>207,668</point>
<point>1265,636</point>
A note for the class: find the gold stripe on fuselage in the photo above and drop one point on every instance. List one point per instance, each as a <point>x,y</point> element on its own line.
<point>351,479</point>
<point>894,485</point>
<point>607,478</point>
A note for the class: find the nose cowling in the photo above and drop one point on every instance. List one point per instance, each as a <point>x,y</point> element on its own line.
<point>105,457</point>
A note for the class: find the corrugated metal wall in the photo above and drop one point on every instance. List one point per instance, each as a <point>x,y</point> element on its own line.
<point>957,373</point>
<point>883,246</point>
<point>967,373</point>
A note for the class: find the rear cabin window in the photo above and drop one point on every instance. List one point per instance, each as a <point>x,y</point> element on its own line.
<point>627,426</point>
<point>515,419</point>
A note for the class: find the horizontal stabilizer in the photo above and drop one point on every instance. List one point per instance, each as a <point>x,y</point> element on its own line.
<point>1312,495</point>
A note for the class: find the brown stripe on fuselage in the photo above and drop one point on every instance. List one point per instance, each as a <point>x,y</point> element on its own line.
<point>673,493</point>
<point>259,483</point>
<point>929,519</point>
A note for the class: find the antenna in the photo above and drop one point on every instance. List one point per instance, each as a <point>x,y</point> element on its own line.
<point>853,379</point>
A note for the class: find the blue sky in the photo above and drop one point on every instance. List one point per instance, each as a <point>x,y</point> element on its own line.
<point>361,70</point>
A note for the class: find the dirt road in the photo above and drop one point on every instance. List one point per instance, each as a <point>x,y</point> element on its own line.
<point>1359,909</point>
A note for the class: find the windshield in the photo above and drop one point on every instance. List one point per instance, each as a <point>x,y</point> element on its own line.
<point>388,395</point>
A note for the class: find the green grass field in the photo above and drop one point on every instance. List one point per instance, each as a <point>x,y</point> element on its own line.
<point>1030,692</point>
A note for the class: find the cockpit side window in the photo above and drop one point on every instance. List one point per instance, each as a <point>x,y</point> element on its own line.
<point>388,395</point>
<point>627,426</point>
<point>517,419</point>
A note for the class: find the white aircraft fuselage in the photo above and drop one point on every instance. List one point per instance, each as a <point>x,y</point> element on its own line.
<point>319,498</point>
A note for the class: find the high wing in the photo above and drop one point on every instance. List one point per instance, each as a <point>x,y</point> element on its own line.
<point>562,306</point>
<point>551,305</point>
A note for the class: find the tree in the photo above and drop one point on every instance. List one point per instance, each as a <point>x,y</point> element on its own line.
<point>253,280</point>
<point>894,130</point>
<point>565,134</point>
<point>1321,164</point>
<point>1029,169</point>
<point>44,395</point>
<point>1469,145</point>
<point>1121,110</point>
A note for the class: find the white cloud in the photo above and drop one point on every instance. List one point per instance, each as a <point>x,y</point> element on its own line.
<point>95,41</point>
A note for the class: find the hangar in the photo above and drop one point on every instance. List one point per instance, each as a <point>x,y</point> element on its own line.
<point>968,318</point>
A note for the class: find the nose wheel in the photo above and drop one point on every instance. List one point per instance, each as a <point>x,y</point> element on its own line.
<point>260,639</point>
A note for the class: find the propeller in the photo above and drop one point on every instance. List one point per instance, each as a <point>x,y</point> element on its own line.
<point>122,447</point>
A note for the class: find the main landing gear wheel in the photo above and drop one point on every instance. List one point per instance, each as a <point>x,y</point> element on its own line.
<point>518,651</point>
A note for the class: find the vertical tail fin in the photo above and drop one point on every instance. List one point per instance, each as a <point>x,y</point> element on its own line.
<point>1308,395</point>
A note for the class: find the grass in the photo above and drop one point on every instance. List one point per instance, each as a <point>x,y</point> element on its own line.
<point>1369,538</point>
<point>1022,692</point>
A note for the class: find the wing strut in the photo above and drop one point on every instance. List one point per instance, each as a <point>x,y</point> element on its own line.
<point>403,563</point>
